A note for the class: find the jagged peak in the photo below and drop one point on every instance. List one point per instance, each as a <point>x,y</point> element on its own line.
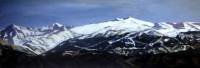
<point>57,25</point>
<point>119,19</point>
<point>137,21</point>
<point>132,18</point>
<point>126,18</point>
<point>123,19</point>
<point>13,26</point>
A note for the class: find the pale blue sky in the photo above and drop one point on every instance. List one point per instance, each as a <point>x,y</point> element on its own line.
<point>79,12</point>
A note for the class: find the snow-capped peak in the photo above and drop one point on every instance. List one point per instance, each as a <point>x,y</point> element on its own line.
<point>14,27</point>
<point>171,29</point>
<point>13,30</point>
<point>127,25</point>
<point>57,25</point>
<point>119,19</point>
<point>37,41</point>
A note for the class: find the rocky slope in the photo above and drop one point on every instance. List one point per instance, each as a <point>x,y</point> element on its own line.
<point>35,40</point>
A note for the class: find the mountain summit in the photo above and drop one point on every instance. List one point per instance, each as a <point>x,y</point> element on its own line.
<point>36,41</point>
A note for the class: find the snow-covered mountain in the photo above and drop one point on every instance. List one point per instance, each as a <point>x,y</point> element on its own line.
<point>121,26</point>
<point>41,40</point>
<point>172,29</point>
<point>115,27</point>
<point>36,40</point>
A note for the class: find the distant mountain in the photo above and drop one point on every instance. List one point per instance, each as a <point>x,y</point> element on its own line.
<point>127,36</point>
<point>36,40</point>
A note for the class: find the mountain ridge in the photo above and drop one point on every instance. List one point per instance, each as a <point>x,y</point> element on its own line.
<point>41,40</point>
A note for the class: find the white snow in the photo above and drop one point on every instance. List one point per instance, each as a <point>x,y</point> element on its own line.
<point>125,25</point>
<point>57,24</point>
<point>40,40</point>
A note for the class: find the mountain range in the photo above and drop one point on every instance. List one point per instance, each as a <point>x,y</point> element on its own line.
<point>123,36</point>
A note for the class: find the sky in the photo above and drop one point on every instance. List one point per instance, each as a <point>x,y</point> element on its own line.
<point>37,13</point>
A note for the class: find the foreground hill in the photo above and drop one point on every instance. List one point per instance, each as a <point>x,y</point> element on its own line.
<point>185,59</point>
